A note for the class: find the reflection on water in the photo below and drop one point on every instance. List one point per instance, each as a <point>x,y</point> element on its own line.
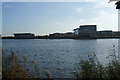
<point>60,56</point>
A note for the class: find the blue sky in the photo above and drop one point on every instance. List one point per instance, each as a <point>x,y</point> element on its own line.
<point>0,17</point>
<point>44,18</point>
<point>56,0</point>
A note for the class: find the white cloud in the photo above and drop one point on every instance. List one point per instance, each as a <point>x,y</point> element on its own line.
<point>95,0</point>
<point>103,5</point>
<point>82,20</point>
<point>104,21</point>
<point>79,9</point>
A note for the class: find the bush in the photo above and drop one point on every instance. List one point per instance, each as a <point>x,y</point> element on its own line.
<point>11,67</point>
<point>92,68</point>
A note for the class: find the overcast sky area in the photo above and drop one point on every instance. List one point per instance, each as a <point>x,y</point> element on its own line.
<point>45,17</point>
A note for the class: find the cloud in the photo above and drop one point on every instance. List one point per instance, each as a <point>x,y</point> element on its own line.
<point>95,0</point>
<point>104,20</point>
<point>103,5</point>
<point>79,9</point>
<point>109,21</point>
<point>82,20</point>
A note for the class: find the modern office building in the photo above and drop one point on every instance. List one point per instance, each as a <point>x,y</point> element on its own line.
<point>86,31</point>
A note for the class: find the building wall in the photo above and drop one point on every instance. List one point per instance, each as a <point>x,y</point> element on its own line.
<point>76,32</point>
<point>23,35</point>
<point>87,31</point>
<point>104,33</point>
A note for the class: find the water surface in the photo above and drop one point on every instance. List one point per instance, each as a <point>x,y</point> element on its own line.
<point>59,56</point>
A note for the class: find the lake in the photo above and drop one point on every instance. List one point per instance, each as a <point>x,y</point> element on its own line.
<point>59,56</point>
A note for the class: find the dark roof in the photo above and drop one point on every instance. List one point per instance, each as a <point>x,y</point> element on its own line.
<point>58,33</point>
<point>87,25</point>
<point>22,33</point>
<point>75,29</point>
<point>105,31</point>
<point>69,33</point>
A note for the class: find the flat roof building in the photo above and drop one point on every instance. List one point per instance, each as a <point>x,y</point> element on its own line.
<point>105,33</point>
<point>86,31</point>
<point>23,35</point>
<point>76,31</point>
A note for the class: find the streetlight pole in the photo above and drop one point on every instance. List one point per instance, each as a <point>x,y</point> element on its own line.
<point>118,7</point>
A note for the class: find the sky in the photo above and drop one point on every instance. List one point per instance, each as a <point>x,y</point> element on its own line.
<point>0,17</point>
<point>43,18</point>
<point>119,20</point>
<point>55,0</point>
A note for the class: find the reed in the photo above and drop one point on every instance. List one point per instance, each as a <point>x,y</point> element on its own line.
<point>11,67</point>
<point>92,68</point>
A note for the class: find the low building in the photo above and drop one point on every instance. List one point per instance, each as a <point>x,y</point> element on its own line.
<point>67,35</point>
<point>23,35</point>
<point>105,33</point>
<point>76,31</point>
<point>116,33</point>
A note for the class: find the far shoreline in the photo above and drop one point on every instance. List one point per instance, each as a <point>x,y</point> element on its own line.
<point>65,38</point>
